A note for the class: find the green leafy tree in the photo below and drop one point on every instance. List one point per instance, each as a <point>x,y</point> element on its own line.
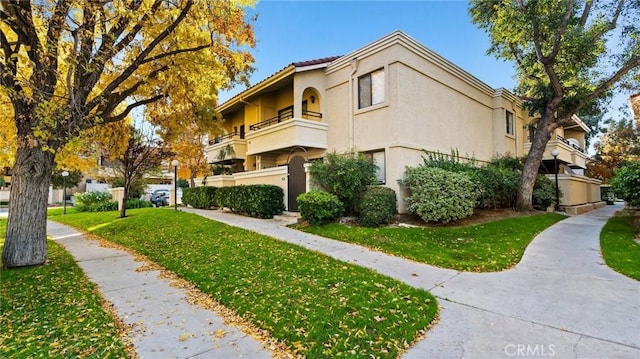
<point>67,66</point>
<point>626,183</point>
<point>563,62</point>
<point>619,144</point>
<point>72,180</point>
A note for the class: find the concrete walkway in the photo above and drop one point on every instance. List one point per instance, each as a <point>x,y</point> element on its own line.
<point>561,300</point>
<point>164,324</point>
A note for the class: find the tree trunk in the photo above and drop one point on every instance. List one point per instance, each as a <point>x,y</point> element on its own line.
<point>127,185</point>
<point>26,239</point>
<point>546,126</point>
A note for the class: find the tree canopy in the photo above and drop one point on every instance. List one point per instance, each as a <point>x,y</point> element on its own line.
<point>68,66</point>
<point>569,56</point>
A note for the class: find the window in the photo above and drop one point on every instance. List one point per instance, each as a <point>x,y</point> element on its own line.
<point>371,89</point>
<point>509,124</point>
<point>378,159</point>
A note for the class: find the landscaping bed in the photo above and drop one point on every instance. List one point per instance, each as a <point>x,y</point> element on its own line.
<point>483,247</point>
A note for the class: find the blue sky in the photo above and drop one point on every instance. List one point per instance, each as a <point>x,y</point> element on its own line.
<point>290,31</point>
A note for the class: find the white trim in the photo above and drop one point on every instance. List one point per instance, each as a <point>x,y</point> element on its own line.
<point>400,38</point>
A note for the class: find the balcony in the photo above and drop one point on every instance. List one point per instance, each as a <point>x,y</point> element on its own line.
<point>285,131</point>
<point>568,152</point>
<point>225,148</point>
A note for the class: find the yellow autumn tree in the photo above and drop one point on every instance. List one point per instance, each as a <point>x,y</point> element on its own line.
<point>67,66</point>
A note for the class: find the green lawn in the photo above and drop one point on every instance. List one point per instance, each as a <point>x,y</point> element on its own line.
<point>318,306</point>
<point>53,311</point>
<point>484,247</point>
<point>619,250</point>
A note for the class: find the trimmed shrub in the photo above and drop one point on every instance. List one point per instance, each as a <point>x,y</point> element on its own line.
<point>544,192</point>
<point>95,202</point>
<point>200,197</point>
<point>378,206</point>
<point>260,201</point>
<point>438,195</point>
<point>138,203</point>
<point>626,183</point>
<point>346,175</point>
<point>319,207</point>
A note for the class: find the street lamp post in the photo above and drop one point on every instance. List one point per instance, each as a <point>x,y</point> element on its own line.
<point>555,154</point>
<point>175,164</point>
<point>65,174</point>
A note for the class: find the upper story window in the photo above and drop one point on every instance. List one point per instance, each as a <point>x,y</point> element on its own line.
<point>371,89</point>
<point>509,124</point>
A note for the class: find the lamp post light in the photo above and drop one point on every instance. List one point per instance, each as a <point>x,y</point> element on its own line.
<point>175,164</point>
<point>555,154</point>
<point>65,174</point>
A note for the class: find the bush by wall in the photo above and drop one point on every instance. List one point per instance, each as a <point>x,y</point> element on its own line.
<point>138,203</point>
<point>200,197</point>
<point>438,195</point>
<point>346,175</point>
<point>260,201</point>
<point>319,207</point>
<point>497,186</point>
<point>544,192</point>
<point>451,162</point>
<point>378,206</point>
<point>95,202</point>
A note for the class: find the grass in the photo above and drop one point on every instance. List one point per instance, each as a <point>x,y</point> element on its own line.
<point>316,305</point>
<point>485,247</point>
<point>619,250</point>
<point>53,311</point>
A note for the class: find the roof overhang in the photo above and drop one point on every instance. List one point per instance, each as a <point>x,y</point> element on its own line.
<point>576,123</point>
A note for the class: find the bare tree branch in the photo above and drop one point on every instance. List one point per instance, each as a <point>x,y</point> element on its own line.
<point>557,39</point>
<point>585,12</point>
<point>132,106</point>
<point>143,55</point>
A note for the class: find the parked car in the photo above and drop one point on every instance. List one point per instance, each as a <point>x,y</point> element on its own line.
<point>160,197</point>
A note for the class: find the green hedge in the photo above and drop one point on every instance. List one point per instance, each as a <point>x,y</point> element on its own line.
<point>319,207</point>
<point>439,195</point>
<point>200,197</point>
<point>95,202</point>
<point>378,206</point>
<point>260,201</point>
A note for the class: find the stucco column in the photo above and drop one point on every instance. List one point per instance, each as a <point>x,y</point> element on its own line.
<point>117,194</point>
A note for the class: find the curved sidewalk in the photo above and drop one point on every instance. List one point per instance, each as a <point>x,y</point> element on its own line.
<point>560,301</point>
<point>164,324</point>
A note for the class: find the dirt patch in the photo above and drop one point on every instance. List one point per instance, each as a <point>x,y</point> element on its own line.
<point>479,216</point>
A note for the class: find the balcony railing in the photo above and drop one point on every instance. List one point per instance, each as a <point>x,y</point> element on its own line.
<point>283,116</point>
<point>226,137</point>
<point>565,141</point>
<point>574,146</point>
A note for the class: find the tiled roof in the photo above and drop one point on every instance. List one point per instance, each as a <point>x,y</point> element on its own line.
<point>323,60</point>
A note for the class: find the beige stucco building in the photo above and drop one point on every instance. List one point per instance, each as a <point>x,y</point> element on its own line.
<point>391,100</point>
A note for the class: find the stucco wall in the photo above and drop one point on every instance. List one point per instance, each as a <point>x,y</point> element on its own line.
<point>577,190</point>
